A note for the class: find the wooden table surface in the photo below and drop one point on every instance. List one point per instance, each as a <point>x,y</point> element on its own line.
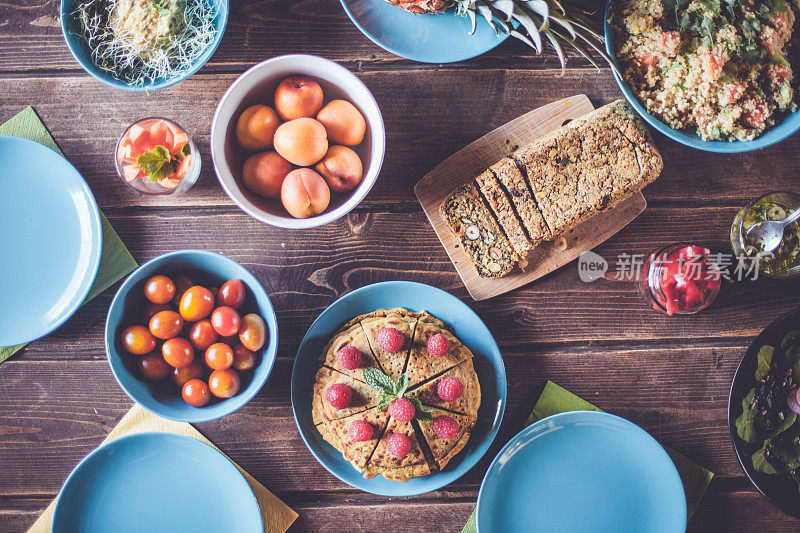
<point>58,398</point>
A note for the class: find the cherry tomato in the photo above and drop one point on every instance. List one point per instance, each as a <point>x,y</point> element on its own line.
<point>197,303</point>
<point>151,309</point>
<point>224,383</point>
<point>159,289</point>
<point>166,324</point>
<point>232,294</point>
<point>182,284</point>
<point>195,392</point>
<point>243,359</point>
<point>253,332</point>
<point>202,335</point>
<point>219,356</point>
<point>152,367</point>
<point>177,352</point>
<point>226,321</point>
<point>183,374</point>
<point>138,340</point>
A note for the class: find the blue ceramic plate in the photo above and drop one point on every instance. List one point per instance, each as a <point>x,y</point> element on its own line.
<point>441,38</point>
<point>163,397</point>
<point>780,131</point>
<point>416,297</point>
<point>582,471</point>
<point>156,482</point>
<point>70,28</point>
<point>50,237</point>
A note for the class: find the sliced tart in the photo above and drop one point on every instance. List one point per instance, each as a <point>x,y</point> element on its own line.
<point>340,433</point>
<point>362,396</point>
<point>446,434</point>
<point>447,352</point>
<point>385,462</point>
<point>467,402</point>
<point>335,354</point>
<point>392,358</point>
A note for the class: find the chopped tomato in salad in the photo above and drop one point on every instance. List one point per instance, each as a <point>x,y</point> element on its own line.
<point>156,149</point>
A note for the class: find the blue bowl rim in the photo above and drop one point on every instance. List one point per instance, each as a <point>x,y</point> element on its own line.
<point>88,66</point>
<point>779,132</point>
<point>526,431</point>
<point>97,227</point>
<point>393,50</point>
<point>502,394</point>
<point>146,435</point>
<point>245,395</point>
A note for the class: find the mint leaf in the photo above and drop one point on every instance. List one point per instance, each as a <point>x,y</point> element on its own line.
<point>401,386</point>
<point>386,399</point>
<point>158,163</point>
<point>422,414</point>
<point>379,381</point>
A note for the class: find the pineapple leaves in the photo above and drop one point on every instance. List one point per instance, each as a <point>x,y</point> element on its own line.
<point>536,22</point>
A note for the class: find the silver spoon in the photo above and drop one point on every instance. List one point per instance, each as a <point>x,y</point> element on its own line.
<point>770,232</point>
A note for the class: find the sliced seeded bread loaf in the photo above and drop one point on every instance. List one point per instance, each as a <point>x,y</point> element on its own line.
<point>501,206</point>
<point>509,175</point>
<point>590,165</point>
<point>472,222</point>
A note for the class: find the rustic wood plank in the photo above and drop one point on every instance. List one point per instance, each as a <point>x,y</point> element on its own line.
<point>425,126</point>
<point>306,271</point>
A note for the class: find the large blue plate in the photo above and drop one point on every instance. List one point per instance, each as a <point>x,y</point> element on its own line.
<point>148,482</point>
<point>50,238</point>
<point>441,38</point>
<point>582,471</point>
<point>416,297</point>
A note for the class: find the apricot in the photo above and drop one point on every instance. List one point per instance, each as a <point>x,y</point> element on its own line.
<point>341,167</point>
<point>343,122</point>
<point>304,193</point>
<point>264,173</point>
<point>256,127</point>
<point>297,97</point>
<point>301,141</point>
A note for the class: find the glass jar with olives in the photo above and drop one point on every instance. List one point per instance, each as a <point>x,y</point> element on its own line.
<point>782,263</point>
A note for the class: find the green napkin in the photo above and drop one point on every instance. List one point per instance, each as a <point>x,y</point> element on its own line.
<point>555,399</point>
<point>115,259</point>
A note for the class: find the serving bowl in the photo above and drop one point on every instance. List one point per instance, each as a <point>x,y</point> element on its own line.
<point>779,491</point>
<point>163,398</point>
<point>81,53</point>
<point>257,86</point>
<point>780,131</point>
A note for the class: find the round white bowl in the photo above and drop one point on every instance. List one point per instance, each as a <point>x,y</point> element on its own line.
<point>257,86</point>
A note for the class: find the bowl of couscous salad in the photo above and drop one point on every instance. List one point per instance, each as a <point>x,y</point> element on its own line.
<point>717,75</point>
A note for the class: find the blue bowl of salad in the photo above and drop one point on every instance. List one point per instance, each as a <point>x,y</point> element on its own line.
<point>787,122</point>
<point>143,45</point>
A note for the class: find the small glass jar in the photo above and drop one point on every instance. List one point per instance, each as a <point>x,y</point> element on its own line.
<point>785,264</point>
<point>127,169</point>
<point>651,281</point>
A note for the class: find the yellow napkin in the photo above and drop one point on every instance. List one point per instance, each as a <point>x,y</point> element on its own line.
<point>277,515</point>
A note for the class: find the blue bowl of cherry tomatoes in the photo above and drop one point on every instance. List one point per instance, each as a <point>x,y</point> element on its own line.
<point>191,336</point>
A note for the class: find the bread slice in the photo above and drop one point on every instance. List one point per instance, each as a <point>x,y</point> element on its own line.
<point>472,222</point>
<point>512,180</point>
<point>590,165</point>
<point>501,206</point>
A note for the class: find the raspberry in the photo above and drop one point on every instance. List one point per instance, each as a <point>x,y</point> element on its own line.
<point>349,357</point>
<point>449,389</point>
<point>402,410</point>
<point>390,339</point>
<point>398,444</point>
<point>360,430</point>
<point>445,427</point>
<point>339,395</point>
<point>438,345</point>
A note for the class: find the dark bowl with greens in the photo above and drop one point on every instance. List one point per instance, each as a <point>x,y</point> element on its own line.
<point>764,429</point>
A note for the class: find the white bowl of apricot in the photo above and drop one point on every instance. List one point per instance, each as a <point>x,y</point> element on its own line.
<point>297,141</point>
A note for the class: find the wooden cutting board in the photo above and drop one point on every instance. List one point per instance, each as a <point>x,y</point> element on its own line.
<point>470,161</point>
